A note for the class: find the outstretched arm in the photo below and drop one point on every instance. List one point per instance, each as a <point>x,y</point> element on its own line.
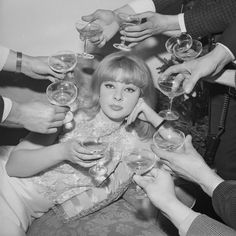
<point>34,67</point>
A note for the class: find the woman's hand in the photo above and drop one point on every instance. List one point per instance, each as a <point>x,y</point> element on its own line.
<point>144,112</point>
<point>78,154</point>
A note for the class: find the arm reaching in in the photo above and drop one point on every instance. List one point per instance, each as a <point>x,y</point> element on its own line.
<point>196,69</point>
<point>188,164</point>
<point>159,187</point>
<point>109,22</point>
<point>34,67</point>
<point>154,24</point>
<point>36,116</point>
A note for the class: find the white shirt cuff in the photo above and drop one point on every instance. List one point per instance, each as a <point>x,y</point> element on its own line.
<point>184,226</point>
<point>140,6</point>
<point>4,52</point>
<point>227,49</point>
<point>7,108</point>
<point>182,23</point>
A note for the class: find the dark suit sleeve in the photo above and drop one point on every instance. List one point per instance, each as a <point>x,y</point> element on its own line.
<point>207,17</point>
<point>206,226</point>
<point>228,38</point>
<point>1,108</point>
<point>162,5</point>
<point>224,202</point>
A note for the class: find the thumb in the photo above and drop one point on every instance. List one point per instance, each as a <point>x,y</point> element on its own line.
<point>144,15</point>
<point>89,18</point>
<point>140,181</point>
<point>188,142</point>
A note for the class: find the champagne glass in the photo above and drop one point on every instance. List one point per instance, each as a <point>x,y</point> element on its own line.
<point>140,161</point>
<point>182,42</point>
<point>171,87</point>
<point>99,170</point>
<point>87,30</point>
<point>169,139</point>
<point>63,93</point>
<point>62,61</point>
<point>193,52</point>
<point>124,21</point>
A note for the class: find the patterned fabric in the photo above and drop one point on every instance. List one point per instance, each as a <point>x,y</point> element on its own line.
<point>228,38</point>
<point>94,199</point>
<point>205,226</point>
<point>209,17</point>
<point>224,202</point>
<point>117,219</point>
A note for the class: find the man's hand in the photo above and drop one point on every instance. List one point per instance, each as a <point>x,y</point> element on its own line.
<point>155,24</point>
<point>208,65</point>
<point>37,117</point>
<point>37,68</point>
<point>108,21</point>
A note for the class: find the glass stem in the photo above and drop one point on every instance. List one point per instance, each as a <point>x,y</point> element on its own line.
<point>85,46</point>
<point>171,102</point>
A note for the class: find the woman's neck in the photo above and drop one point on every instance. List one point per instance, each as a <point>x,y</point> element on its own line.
<point>106,119</point>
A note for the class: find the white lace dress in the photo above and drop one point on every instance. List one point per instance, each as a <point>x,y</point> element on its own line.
<point>31,197</point>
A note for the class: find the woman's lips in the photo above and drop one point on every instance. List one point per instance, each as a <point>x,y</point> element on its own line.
<point>116,107</point>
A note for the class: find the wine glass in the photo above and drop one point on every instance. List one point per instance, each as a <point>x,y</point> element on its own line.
<point>124,21</point>
<point>193,52</point>
<point>182,42</point>
<point>140,161</point>
<point>62,61</point>
<point>99,170</point>
<point>169,139</point>
<point>87,30</point>
<point>63,93</point>
<point>171,87</point>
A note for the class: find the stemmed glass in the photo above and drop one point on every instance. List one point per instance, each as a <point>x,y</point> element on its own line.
<point>62,61</point>
<point>169,138</point>
<point>171,87</point>
<point>87,30</point>
<point>99,170</point>
<point>124,21</point>
<point>183,42</point>
<point>140,161</point>
<point>63,93</point>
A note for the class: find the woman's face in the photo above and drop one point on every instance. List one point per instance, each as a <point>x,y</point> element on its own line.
<point>117,99</point>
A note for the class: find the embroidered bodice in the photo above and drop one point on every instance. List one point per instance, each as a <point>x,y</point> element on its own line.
<point>66,179</point>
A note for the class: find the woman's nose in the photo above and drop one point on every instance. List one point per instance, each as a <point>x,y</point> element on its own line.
<point>118,95</point>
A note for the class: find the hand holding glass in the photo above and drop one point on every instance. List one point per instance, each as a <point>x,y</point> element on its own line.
<point>62,93</point>
<point>124,21</point>
<point>87,31</point>
<point>140,161</point>
<point>62,61</point>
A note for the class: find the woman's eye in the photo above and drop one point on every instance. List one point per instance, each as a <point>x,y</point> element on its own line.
<point>130,90</point>
<point>109,85</point>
